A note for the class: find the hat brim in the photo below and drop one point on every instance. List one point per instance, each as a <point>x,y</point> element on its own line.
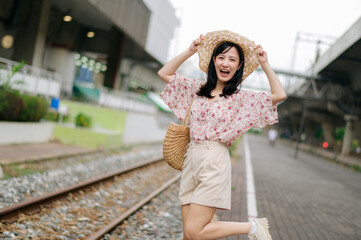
<point>214,39</point>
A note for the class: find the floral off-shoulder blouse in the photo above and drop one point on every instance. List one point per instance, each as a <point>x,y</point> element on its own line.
<point>224,119</point>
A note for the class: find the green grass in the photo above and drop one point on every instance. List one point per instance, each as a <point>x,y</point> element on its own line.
<point>356,168</point>
<point>233,149</point>
<point>102,117</point>
<point>87,137</point>
<point>16,170</point>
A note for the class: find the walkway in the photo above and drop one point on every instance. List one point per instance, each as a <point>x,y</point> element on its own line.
<point>304,198</point>
<point>31,152</point>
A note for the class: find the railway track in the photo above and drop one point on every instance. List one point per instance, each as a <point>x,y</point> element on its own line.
<point>158,219</point>
<point>88,209</point>
<point>108,228</point>
<point>49,176</point>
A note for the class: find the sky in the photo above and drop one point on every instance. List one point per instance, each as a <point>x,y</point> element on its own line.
<point>272,23</point>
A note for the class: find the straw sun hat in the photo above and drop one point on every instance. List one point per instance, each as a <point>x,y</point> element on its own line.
<point>214,39</point>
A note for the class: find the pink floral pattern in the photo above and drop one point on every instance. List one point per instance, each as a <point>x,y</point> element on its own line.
<point>222,120</point>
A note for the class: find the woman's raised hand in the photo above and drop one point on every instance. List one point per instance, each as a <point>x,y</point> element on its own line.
<point>261,55</point>
<point>195,43</point>
<point>278,94</point>
<point>167,71</point>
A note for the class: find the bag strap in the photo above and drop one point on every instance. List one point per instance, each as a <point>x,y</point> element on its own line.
<point>187,115</point>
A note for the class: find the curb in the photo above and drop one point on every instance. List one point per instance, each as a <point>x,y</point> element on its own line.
<point>332,156</point>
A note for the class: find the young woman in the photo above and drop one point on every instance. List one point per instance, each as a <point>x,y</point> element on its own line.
<point>220,113</point>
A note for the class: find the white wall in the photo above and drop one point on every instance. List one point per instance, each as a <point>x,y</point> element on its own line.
<point>17,132</point>
<point>34,80</point>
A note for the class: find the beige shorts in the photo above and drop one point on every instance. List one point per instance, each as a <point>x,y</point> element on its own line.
<point>206,175</point>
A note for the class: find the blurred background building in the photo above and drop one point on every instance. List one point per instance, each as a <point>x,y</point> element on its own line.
<point>108,52</point>
<point>91,44</point>
<point>323,107</point>
<point>105,53</point>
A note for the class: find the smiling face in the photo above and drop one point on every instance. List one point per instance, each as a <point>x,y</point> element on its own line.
<point>226,64</point>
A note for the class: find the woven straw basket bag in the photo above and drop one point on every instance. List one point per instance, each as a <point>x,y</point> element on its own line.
<point>175,143</point>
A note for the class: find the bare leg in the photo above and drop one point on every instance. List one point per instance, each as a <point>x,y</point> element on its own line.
<point>185,210</point>
<point>198,224</point>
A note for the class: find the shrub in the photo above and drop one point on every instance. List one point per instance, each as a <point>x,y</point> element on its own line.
<point>18,107</point>
<point>23,108</point>
<point>35,109</point>
<point>54,116</point>
<point>11,105</point>
<point>82,120</point>
<point>355,145</point>
<point>339,132</point>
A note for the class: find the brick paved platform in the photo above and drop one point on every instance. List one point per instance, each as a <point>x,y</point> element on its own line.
<point>32,152</point>
<point>308,198</point>
<point>347,160</point>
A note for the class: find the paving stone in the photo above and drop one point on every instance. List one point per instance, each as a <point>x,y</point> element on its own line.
<point>305,198</point>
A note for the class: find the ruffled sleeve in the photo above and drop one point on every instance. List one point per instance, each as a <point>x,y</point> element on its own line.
<point>255,110</point>
<point>178,94</point>
<point>267,113</point>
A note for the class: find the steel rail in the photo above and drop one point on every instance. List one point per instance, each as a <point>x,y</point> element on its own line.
<point>110,226</point>
<point>9,214</point>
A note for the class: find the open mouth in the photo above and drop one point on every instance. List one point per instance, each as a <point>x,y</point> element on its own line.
<point>224,73</point>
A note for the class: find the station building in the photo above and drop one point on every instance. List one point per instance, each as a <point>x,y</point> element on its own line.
<point>105,53</point>
<point>91,44</point>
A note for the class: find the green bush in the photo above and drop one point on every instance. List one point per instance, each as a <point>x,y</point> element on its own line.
<point>339,132</point>
<point>319,134</point>
<point>22,108</point>
<point>54,116</point>
<point>11,104</point>
<point>255,131</point>
<point>19,107</point>
<point>355,145</point>
<point>35,109</point>
<point>82,120</point>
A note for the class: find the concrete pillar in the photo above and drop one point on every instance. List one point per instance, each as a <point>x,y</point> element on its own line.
<point>63,62</point>
<point>128,78</point>
<point>31,31</point>
<point>327,128</point>
<point>114,58</point>
<point>41,34</point>
<point>347,139</point>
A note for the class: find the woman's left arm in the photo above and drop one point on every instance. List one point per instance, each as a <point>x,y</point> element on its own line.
<point>278,94</point>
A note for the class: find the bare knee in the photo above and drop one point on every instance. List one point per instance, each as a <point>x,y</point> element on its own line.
<point>191,233</point>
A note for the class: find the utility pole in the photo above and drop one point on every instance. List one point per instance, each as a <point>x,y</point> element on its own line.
<point>310,38</point>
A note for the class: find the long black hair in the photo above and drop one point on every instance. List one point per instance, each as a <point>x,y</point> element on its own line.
<point>232,85</point>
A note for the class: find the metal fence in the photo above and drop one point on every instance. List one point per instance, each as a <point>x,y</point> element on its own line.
<point>35,81</point>
<point>126,101</point>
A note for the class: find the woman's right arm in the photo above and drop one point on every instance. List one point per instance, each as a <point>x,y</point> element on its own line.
<point>167,71</point>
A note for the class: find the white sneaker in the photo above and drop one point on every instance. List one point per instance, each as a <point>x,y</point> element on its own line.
<point>262,232</point>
